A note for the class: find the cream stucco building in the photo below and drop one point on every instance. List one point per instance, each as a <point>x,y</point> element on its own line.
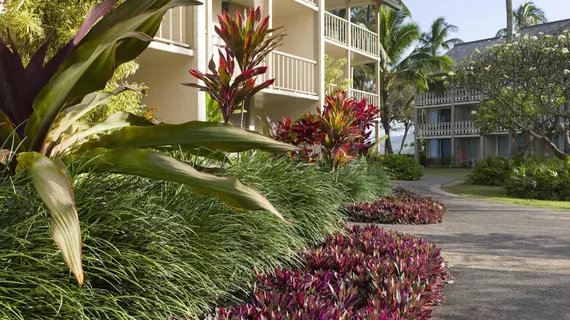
<point>187,40</point>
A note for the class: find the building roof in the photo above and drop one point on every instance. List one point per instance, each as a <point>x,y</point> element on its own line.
<point>396,4</point>
<point>463,50</point>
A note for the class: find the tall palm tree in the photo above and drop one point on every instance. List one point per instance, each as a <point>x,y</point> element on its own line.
<point>527,14</point>
<point>510,16</point>
<point>437,38</point>
<point>398,35</point>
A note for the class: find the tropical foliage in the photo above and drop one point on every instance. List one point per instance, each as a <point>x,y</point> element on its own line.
<point>369,273</point>
<point>334,75</point>
<point>401,166</point>
<point>491,171</point>
<point>404,63</point>
<point>155,249</point>
<point>246,44</point>
<point>404,207</point>
<point>540,179</point>
<point>43,103</point>
<point>340,131</point>
<point>527,14</point>
<point>528,102</point>
<point>437,40</point>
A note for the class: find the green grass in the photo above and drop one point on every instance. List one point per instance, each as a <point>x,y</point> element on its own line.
<point>453,173</point>
<point>155,249</point>
<point>498,194</point>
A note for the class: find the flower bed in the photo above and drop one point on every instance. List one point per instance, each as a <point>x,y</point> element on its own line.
<point>404,207</point>
<point>367,273</point>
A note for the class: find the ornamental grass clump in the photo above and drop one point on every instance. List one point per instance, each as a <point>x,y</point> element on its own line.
<point>404,207</point>
<point>367,273</point>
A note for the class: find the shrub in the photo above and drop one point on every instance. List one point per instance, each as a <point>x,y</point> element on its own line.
<point>154,249</point>
<point>552,180</point>
<point>367,273</point>
<point>492,171</point>
<point>404,207</point>
<point>402,166</point>
<point>340,132</point>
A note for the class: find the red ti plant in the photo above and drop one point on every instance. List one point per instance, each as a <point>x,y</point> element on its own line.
<point>247,43</point>
<point>249,39</point>
<point>229,94</point>
<point>340,130</point>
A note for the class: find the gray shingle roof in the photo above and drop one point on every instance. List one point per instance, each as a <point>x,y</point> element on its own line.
<point>464,50</point>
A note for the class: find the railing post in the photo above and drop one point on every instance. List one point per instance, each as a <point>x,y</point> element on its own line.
<point>453,127</point>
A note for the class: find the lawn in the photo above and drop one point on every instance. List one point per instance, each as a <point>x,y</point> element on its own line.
<point>496,194</point>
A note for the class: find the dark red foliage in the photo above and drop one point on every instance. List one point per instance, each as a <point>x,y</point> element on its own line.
<point>369,273</point>
<point>341,129</point>
<point>404,207</point>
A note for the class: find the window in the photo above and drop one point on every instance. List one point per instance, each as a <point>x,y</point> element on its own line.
<point>503,146</point>
<point>434,149</point>
<point>226,6</point>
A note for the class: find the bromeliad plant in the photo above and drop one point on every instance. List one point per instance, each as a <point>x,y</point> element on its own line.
<point>41,103</point>
<point>247,43</point>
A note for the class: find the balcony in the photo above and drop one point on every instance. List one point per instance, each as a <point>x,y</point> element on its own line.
<point>343,32</point>
<point>372,98</point>
<point>291,73</point>
<point>173,32</point>
<point>441,129</point>
<point>448,97</point>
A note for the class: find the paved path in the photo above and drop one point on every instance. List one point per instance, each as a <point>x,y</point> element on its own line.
<point>509,262</point>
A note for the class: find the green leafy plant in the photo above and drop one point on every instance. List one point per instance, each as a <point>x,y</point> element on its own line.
<point>492,171</point>
<point>42,103</point>
<point>402,167</point>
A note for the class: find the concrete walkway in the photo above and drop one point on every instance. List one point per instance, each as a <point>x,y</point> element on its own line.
<point>508,262</point>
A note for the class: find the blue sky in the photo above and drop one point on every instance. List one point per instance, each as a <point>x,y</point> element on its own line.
<point>478,19</point>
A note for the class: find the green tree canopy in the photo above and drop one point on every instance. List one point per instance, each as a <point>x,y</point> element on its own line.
<point>525,85</point>
<point>403,60</point>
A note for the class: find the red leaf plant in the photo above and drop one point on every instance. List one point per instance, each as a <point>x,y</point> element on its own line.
<point>340,130</point>
<point>365,273</point>
<point>229,94</point>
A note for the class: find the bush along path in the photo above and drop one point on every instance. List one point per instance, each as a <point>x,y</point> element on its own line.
<point>404,207</point>
<point>367,273</point>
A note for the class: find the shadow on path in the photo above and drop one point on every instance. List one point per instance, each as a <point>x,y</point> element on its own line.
<point>508,262</point>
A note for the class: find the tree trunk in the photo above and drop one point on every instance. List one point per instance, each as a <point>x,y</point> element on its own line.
<point>509,20</point>
<point>514,144</point>
<point>385,116</point>
<point>406,130</point>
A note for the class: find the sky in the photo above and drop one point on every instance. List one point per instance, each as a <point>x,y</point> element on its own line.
<point>478,19</point>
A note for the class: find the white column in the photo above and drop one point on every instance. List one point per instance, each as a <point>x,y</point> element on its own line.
<point>322,51</point>
<point>200,35</point>
<point>453,127</point>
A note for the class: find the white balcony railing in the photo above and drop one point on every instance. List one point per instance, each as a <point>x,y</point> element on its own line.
<point>447,97</point>
<point>359,95</point>
<point>465,128</point>
<point>435,130</point>
<point>173,28</point>
<point>364,39</point>
<point>336,28</point>
<point>292,73</point>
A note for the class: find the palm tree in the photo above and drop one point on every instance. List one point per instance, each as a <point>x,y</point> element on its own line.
<point>397,36</point>
<point>437,38</point>
<point>510,17</point>
<point>526,15</point>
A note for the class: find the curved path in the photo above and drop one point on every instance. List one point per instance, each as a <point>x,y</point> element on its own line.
<point>508,262</point>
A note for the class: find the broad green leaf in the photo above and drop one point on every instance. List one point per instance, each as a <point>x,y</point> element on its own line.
<point>156,165</point>
<point>70,85</point>
<point>194,134</point>
<point>51,180</point>
<point>73,81</point>
<point>118,120</point>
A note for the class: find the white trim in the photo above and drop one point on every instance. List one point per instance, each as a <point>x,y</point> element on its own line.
<point>171,48</point>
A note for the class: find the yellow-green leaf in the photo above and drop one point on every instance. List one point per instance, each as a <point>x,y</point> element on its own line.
<point>51,180</point>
